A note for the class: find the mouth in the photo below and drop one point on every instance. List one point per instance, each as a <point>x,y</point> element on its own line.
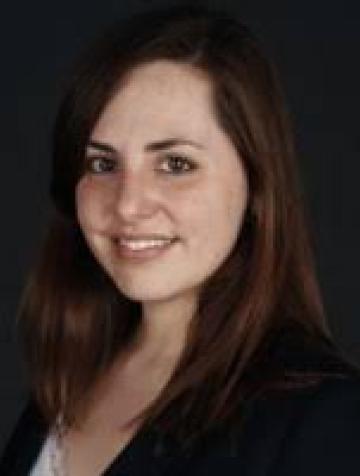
<point>142,249</point>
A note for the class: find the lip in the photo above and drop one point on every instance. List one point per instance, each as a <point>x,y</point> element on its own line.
<point>140,255</point>
<point>144,237</point>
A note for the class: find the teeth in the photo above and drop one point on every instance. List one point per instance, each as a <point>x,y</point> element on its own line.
<point>143,244</point>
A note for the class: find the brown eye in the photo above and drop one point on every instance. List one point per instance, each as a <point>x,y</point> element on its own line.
<point>178,164</point>
<point>99,165</point>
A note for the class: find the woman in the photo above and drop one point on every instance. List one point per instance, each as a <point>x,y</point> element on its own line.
<point>174,324</point>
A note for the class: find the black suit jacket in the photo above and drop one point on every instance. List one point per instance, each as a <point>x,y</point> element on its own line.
<point>304,432</point>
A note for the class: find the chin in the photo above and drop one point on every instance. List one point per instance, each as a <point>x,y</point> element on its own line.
<point>153,292</point>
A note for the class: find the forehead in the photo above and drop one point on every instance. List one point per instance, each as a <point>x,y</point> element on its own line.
<point>171,97</point>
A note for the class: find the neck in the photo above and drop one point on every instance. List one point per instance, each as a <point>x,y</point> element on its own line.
<point>163,329</point>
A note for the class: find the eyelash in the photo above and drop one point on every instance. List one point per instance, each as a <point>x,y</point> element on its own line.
<point>170,157</point>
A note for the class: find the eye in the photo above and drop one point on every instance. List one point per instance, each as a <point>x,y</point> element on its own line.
<point>179,164</point>
<point>98,164</point>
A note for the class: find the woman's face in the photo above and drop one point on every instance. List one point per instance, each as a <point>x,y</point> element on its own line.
<point>158,164</point>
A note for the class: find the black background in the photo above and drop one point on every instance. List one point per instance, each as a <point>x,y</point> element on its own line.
<point>315,45</point>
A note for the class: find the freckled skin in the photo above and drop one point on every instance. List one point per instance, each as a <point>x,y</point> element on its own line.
<point>204,207</point>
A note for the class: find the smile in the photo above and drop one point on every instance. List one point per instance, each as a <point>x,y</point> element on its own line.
<point>143,244</point>
<point>141,249</point>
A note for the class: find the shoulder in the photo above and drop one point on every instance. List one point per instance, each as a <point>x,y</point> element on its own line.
<point>25,440</point>
<point>323,433</point>
<point>335,393</point>
<point>308,432</point>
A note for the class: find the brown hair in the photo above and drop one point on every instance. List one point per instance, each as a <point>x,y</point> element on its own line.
<point>74,321</point>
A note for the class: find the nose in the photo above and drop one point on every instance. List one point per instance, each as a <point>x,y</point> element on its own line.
<point>134,198</point>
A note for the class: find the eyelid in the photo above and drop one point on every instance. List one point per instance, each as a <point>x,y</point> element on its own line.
<point>176,155</point>
<point>192,165</point>
<point>90,158</point>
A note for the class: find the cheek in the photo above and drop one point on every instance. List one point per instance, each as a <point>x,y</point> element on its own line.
<point>216,219</point>
<point>235,195</point>
<point>235,206</point>
<point>90,204</point>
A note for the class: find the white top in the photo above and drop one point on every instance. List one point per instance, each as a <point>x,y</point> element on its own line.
<point>42,466</point>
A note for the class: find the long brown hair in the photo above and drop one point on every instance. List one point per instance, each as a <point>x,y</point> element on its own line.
<point>74,321</point>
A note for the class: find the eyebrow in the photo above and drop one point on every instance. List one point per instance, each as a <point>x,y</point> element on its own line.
<point>152,146</point>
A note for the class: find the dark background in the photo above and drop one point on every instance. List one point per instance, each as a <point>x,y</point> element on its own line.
<point>315,45</point>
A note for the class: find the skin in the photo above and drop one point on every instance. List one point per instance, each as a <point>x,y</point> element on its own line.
<point>140,192</point>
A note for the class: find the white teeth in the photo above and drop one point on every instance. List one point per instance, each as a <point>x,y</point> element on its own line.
<point>143,244</point>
